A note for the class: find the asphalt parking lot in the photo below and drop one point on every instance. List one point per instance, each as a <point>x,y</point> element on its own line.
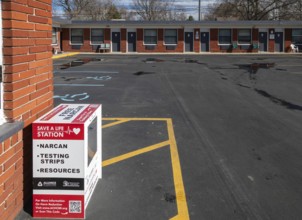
<point>193,137</point>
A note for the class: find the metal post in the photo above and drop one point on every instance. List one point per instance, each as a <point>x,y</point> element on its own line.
<point>199,11</point>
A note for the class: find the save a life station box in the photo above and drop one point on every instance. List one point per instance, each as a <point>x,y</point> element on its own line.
<point>67,156</point>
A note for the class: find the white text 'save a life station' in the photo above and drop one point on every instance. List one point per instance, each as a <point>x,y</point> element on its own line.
<point>67,156</point>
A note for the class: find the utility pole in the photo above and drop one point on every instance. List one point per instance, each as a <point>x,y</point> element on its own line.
<point>199,10</point>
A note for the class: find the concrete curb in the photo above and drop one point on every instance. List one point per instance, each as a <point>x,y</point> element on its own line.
<point>185,54</point>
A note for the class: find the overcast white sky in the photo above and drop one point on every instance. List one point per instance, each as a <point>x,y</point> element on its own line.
<point>191,6</point>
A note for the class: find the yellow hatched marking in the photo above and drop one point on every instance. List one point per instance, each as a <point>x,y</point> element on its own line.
<point>115,123</point>
<point>134,153</point>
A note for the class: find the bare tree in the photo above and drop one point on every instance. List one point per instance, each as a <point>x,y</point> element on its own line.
<point>89,9</point>
<point>151,10</point>
<point>251,9</point>
<point>295,11</point>
<point>98,10</point>
<point>72,8</point>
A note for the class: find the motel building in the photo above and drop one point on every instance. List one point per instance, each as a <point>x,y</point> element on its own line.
<point>120,36</point>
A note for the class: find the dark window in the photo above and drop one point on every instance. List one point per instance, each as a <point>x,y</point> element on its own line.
<point>54,36</point>
<point>97,36</point>
<point>225,36</point>
<point>297,36</point>
<point>76,36</point>
<point>170,36</point>
<point>244,36</point>
<point>150,36</point>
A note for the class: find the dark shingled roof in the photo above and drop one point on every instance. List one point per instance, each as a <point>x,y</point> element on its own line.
<point>70,23</point>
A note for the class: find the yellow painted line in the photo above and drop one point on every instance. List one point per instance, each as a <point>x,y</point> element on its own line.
<point>64,55</point>
<point>115,123</point>
<point>134,153</point>
<point>182,207</point>
<point>136,119</point>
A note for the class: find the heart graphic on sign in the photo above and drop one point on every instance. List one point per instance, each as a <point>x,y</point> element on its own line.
<point>76,130</point>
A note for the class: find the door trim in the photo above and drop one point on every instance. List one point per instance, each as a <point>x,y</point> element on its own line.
<point>185,42</point>
<point>209,42</point>
<point>111,43</point>
<point>127,51</point>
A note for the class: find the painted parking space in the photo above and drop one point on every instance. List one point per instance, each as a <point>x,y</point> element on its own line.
<point>226,165</point>
<point>180,196</point>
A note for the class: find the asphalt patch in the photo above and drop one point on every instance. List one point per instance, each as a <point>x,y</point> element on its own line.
<point>139,73</point>
<point>254,67</point>
<point>170,198</point>
<point>153,60</point>
<point>191,61</point>
<point>78,62</point>
<point>278,101</point>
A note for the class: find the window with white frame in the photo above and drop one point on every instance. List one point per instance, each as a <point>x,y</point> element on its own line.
<point>76,36</point>
<point>225,36</point>
<point>97,36</point>
<point>150,36</point>
<point>170,36</point>
<point>297,36</point>
<point>54,36</point>
<point>244,36</point>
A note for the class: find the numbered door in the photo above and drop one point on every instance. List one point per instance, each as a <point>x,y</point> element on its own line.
<point>131,42</point>
<point>278,41</point>
<point>116,41</point>
<point>189,40</point>
<point>263,41</point>
<point>205,41</point>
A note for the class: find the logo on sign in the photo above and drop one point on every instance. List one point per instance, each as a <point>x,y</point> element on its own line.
<point>71,184</point>
<point>47,184</point>
<point>76,131</point>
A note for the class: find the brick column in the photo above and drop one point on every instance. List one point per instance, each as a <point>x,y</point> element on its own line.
<point>124,40</point>
<point>28,92</point>
<point>196,40</point>
<point>214,47</point>
<point>271,42</point>
<point>288,40</point>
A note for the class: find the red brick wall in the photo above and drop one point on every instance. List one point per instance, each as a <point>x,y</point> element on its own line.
<point>214,47</point>
<point>271,42</point>
<point>28,92</point>
<point>196,41</point>
<point>214,40</point>
<point>11,176</point>
<point>160,47</point>
<point>123,40</point>
<point>288,40</point>
<point>180,44</point>
<point>86,47</point>
<point>107,36</point>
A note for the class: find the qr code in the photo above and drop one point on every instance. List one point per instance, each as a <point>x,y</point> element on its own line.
<point>75,206</point>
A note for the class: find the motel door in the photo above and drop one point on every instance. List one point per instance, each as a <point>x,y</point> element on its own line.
<point>278,41</point>
<point>131,42</point>
<point>189,39</point>
<point>116,41</point>
<point>205,39</point>
<point>263,41</point>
